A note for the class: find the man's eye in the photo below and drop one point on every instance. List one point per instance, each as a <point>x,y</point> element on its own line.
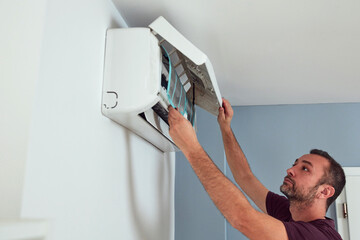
<point>305,169</point>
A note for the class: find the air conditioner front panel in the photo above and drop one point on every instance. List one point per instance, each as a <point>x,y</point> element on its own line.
<point>133,63</point>
<point>195,63</point>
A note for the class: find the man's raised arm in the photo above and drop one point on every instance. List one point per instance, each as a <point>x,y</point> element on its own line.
<point>237,160</point>
<point>227,197</point>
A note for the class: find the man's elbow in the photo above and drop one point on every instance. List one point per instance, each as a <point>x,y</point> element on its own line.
<point>242,220</point>
<point>237,224</point>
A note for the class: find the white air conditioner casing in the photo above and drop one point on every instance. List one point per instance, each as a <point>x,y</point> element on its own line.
<point>134,90</point>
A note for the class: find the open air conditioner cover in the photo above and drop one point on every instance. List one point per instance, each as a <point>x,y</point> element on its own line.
<point>148,69</point>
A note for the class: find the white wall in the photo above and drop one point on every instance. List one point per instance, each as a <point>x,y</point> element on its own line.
<point>91,178</point>
<point>21,26</point>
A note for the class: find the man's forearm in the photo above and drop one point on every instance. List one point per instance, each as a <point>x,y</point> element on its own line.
<point>235,156</point>
<point>227,197</point>
<point>241,170</point>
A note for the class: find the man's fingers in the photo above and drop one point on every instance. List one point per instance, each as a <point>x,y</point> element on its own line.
<point>226,103</point>
<point>174,114</point>
<point>172,111</point>
<point>227,107</point>
<point>170,108</point>
<point>221,113</point>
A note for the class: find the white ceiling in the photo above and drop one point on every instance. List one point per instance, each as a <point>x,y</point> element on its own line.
<point>268,52</point>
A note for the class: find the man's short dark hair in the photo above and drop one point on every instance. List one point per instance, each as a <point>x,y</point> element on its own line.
<point>333,176</point>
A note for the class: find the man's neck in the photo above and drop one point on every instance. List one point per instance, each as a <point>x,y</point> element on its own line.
<point>306,212</point>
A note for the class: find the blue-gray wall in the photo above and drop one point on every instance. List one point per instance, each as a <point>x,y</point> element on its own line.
<point>272,137</point>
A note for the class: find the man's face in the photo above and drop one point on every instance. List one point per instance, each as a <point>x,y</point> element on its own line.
<point>303,178</point>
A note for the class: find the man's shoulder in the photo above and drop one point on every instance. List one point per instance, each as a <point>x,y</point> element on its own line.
<point>321,229</point>
<point>327,226</point>
<point>327,222</point>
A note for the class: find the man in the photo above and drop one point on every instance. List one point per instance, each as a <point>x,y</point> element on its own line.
<point>311,185</point>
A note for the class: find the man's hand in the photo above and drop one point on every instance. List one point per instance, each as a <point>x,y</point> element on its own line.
<point>182,132</point>
<point>225,115</point>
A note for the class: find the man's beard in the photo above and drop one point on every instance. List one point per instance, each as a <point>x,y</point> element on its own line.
<point>299,195</point>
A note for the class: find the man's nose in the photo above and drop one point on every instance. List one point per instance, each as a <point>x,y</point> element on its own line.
<point>290,172</point>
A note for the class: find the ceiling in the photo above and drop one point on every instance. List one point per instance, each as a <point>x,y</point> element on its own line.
<point>268,52</point>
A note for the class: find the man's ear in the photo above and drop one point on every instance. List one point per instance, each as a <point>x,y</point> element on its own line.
<point>327,191</point>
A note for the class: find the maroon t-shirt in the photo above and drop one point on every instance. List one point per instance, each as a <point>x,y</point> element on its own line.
<point>322,229</point>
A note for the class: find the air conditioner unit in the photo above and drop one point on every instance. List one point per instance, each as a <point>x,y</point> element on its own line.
<point>148,69</point>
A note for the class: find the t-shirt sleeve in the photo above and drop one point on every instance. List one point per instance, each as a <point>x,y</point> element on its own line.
<point>278,206</point>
